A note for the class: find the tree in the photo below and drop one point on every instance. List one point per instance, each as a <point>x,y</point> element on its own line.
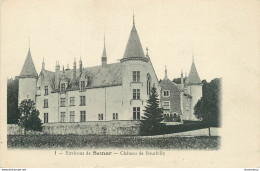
<point>208,108</point>
<point>12,101</point>
<point>178,80</point>
<point>153,115</point>
<point>29,116</point>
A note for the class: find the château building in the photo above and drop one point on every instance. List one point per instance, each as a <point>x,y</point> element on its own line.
<point>116,91</point>
<point>178,100</point>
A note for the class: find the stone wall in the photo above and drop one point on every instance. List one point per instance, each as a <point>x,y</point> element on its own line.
<point>13,129</point>
<point>85,128</point>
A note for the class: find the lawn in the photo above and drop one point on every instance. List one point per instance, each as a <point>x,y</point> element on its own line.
<point>112,142</point>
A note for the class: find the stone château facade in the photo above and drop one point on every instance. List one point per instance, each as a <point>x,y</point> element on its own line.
<point>116,91</point>
<point>180,99</point>
<point>107,92</point>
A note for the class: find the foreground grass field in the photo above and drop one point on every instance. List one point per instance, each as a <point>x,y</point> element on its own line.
<point>112,142</point>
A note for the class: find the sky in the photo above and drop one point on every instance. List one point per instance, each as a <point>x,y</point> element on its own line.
<point>219,34</point>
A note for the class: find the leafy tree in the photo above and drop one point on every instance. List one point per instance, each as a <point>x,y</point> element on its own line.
<point>208,108</point>
<point>12,101</point>
<point>178,80</point>
<point>29,116</point>
<point>153,116</point>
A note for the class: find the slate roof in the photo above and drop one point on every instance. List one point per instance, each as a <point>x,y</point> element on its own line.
<point>193,77</point>
<point>48,76</point>
<point>167,84</point>
<point>178,85</point>
<point>134,47</point>
<point>109,75</point>
<point>28,67</point>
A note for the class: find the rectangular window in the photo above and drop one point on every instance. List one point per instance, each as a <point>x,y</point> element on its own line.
<point>45,105</point>
<point>62,117</point>
<point>82,85</point>
<point>45,90</point>
<point>136,113</point>
<point>46,118</point>
<point>62,102</point>
<point>115,116</point>
<point>100,116</point>
<point>136,76</point>
<point>136,93</point>
<point>166,93</point>
<point>62,87</point>
<point>82,116</point>
<point>82,100</point>
<point>187,107</point>
<point>72,101</point>
<point>166,105</point>
<point>72,116</point>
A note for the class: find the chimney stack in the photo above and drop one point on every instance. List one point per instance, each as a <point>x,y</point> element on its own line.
<point>80,66</point>
<point>43,64</point>
<point>57,75</point>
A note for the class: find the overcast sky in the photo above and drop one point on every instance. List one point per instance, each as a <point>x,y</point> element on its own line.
<point>217,31</point>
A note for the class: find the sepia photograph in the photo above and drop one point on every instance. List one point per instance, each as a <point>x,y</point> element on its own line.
<point>120,79</point>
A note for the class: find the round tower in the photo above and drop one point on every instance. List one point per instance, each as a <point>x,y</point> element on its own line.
<point>138,77</point>
<point>194,87</point>
<point>28,80</point>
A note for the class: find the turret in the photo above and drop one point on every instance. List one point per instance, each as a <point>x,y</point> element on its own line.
<point>134,48</point>
<point>104,55</point>
<point>27,80</point>
<point>138,76</point>
<point>194,86</point>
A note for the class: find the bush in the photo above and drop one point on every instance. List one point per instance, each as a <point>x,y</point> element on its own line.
<point>29,116</point>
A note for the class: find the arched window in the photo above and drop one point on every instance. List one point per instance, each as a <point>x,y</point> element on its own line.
<point>148,84</point>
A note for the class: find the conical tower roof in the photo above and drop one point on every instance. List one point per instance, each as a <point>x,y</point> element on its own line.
<point>134,47</point>
<point>193,77</point>
<point>28,67</point>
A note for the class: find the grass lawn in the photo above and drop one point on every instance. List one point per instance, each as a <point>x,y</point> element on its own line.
<point>112,142</point>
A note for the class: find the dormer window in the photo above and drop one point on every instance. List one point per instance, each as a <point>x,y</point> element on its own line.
<point>62,87</point>
<point>82,85</point>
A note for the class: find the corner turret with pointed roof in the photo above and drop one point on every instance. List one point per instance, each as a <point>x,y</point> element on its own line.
<point>193,78</point>
<point>134,48</point>
<point>104,55</point>
<point>27,80</point>
<point>28,69</point>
